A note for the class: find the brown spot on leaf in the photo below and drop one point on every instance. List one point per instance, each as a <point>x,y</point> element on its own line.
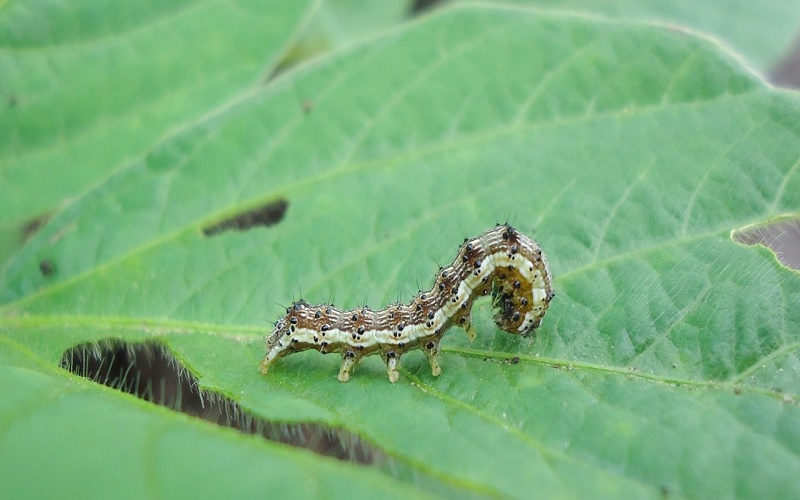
<point>33,225</point>
<point>47,267</point>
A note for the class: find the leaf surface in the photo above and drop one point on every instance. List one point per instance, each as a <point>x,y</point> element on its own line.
<point>763,32</point>
<point>87,88</point>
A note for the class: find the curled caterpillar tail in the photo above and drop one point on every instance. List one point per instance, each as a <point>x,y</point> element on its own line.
<point>502,262</point>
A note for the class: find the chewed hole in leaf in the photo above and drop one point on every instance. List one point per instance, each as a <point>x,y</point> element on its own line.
<point>47,267</point>
<point>787,72</point>
<point>418,6</point>
<point>150,372</point>
<point>264,215</point>
<point>782,237</point>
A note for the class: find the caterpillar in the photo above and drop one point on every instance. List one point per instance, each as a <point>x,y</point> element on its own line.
<point>501,261</point>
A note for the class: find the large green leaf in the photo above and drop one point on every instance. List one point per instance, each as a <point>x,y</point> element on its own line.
<point>668,363</point>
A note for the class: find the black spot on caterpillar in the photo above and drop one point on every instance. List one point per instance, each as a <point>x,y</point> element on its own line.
<point>501,261</point>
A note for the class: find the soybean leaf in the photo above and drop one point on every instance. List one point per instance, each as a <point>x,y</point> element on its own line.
<point>668,361</point>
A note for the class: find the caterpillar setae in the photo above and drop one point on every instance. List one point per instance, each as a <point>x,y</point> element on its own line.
<point>501,261</point>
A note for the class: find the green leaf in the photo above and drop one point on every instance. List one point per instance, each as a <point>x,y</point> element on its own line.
<point>667,364</point>
<point>87,88</point>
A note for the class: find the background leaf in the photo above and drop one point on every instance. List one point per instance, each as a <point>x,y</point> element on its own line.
<point>668,363</point>
<point>87,88</point>
<point>762,31</point>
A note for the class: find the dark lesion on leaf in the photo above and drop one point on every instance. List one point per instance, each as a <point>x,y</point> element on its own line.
<point>150,372</point>
<point>419,6</point>
<point>268,214</point>
<point>47,267</point>
<point>31,226</point>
